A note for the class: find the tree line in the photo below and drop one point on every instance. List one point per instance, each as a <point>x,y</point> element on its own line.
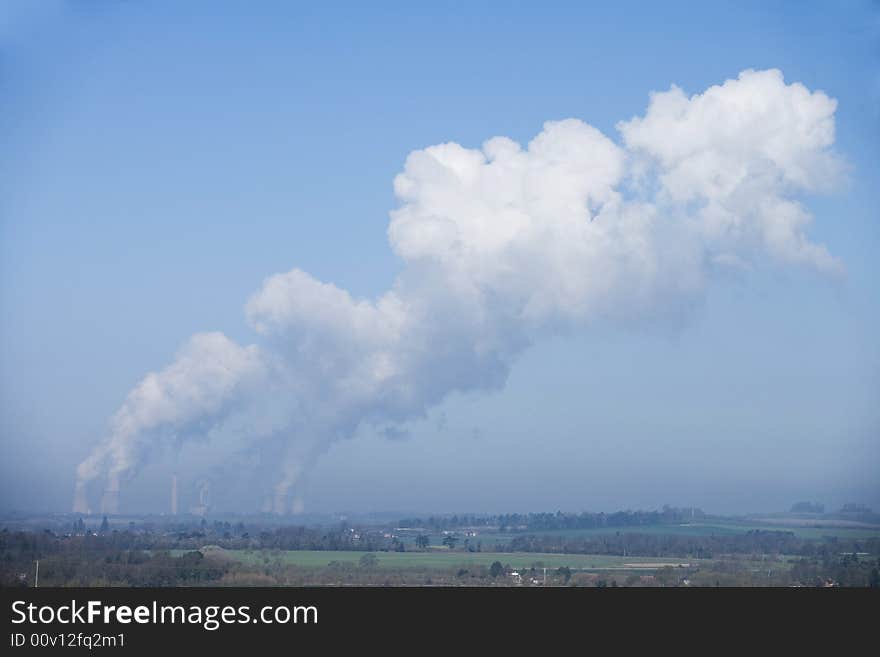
<point>556,521</point>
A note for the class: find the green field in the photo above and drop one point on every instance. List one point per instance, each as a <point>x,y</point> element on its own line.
<point>444,559</point>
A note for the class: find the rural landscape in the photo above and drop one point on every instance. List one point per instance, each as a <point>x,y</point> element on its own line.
<point>672,547</point>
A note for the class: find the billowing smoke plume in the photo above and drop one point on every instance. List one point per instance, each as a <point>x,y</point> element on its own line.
<point>501,246</point>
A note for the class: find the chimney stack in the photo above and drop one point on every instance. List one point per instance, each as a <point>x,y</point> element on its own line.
<point>174,495</point>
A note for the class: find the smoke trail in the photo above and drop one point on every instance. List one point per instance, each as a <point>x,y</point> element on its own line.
<point>502,246</point>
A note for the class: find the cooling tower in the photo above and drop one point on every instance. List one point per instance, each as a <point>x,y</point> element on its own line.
<point>110,501</point>
<point>80,499</point>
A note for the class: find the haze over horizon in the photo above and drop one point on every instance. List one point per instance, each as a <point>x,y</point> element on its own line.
<point>615,275</point>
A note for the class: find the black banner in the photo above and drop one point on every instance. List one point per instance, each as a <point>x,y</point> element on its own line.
<point>244,619</point>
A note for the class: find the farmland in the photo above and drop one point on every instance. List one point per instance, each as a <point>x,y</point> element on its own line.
<point>437,559</point>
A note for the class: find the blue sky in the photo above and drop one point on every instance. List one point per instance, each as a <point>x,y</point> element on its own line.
<point>160,161</point>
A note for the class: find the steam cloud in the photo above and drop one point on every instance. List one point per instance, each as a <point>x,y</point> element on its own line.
<point>501,246</point>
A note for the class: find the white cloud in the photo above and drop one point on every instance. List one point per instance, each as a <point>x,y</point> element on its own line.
<point>502,245</point>
<point>741,150</point>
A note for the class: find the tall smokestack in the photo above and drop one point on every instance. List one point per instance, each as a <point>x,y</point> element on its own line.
<point>174,495</point>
